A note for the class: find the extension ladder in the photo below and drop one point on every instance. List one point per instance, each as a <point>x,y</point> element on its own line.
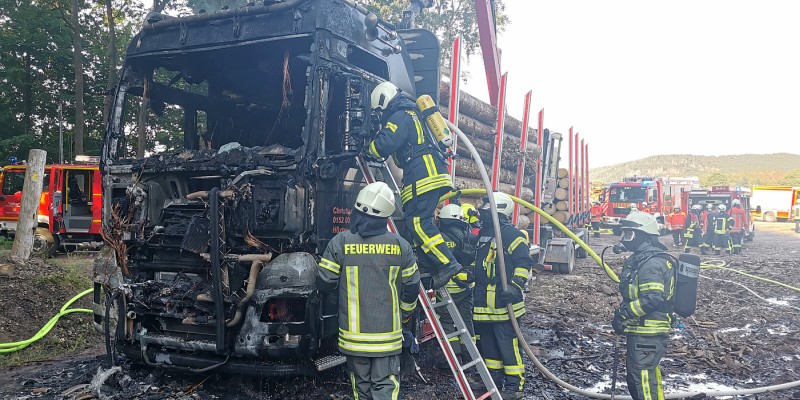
<point>378,171</point>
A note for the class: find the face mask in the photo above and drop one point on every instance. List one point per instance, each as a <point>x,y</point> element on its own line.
<point>632,240</point>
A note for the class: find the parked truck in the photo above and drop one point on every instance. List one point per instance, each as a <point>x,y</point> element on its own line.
<point>722,195</point>
<point>644,194</point>
<point>774,203</point>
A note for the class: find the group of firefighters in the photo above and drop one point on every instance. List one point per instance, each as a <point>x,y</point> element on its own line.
<point>706,229</point>
<point>376,272</point>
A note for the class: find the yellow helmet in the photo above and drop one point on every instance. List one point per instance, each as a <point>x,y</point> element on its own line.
<point>470,213</point>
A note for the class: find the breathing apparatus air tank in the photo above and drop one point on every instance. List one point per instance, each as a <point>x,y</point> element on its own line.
<point>687,275</point>
<point>434,120</point>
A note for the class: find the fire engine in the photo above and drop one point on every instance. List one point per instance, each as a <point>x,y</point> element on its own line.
<point>721,195</point>
<point>70,208</point>
<point>643,193</point>
<point>774,203</point>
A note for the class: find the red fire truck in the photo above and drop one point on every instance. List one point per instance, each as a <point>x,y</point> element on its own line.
<point>69,209</point>
<point>721,195</point>
<point>643,193</point>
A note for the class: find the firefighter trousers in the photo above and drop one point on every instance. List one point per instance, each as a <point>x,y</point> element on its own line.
<point>677,237</point>
<point>498,345</point>
<point>418,212</point>
<point>736,242</point>
<point>721,243</point>
<point>644,353</point>
<point>464,303</point>
<point>596,228</point>
<point>708,241</point>
<point>374,377</point>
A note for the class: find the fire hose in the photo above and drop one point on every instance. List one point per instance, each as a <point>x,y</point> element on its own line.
<point>521,338</point>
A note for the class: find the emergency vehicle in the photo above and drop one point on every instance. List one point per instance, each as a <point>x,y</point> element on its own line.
<point>70,208</point>
<point>645,194</point>
<point>721,195</point>
<point>774,203</point>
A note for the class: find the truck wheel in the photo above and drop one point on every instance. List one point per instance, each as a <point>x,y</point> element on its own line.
<point>616,230</point>
<point>769,216</point>
<point>44,244</point>
<point>581,253</point>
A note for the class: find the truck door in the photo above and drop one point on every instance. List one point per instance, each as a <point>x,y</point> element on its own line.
<point>78,200</point>
<point>11,182</point>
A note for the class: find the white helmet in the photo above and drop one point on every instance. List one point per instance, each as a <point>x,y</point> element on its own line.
<point>709,206</point>
<point>676,208</point>
<point>376,199</point>
<point>383,94</point>
<point>452,212</point>
<point>722,207</point>
<point>737,202</point>
<point>641,221</point>
<point>697,207</point>
<point>503,202</point>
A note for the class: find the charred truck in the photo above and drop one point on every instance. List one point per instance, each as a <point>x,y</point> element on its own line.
<point>213,246</point>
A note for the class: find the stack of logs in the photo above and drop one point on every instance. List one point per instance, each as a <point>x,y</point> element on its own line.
<point>478,120</point>
<point>559,209</point>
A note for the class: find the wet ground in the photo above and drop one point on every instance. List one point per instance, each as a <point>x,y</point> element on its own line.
<point>745,334</point>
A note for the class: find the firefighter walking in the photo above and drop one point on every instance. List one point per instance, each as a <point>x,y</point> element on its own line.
<point>495,335</point>
<point>596,213</point>
<point>425,176</point>
<point>709,216</point>
<point>694,232</point>
<point>375,273</point>
<point>738,227</point>
<point>644,315</point>
<point>677,224</point>
<point>721,236</point>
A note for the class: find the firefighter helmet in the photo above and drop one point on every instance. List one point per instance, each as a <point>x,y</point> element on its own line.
<point>470,213</point>
<point>376,199</point>
<point>383,94</point>
<point>676,208</point>
<point>737,202</point>
<point>697,207</point>
<point>452,212</point>
<point>709,206</point>
<point>642,222</point>
<point>503,202</point>
<point>722,207</point>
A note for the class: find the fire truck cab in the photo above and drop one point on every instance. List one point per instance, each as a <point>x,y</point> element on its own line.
<point>69,209</point>
<point>645,194</point>
<point>721,195</point>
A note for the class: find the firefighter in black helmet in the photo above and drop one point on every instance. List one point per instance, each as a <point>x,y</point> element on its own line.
<point>425,176</point>
<point>375,272</point>
<point>644,316</point>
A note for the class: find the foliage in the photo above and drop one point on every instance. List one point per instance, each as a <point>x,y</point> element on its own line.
<point>743,170</point>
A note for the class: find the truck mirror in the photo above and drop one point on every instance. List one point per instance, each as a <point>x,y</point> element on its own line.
<point>758,209</point>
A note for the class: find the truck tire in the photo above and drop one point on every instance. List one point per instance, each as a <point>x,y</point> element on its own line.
<point>769,216</point>
<point>44,244</point>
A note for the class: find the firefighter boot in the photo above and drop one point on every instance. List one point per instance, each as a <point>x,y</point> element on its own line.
<point>443,276</point>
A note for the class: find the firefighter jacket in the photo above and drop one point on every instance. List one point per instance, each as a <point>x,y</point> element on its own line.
<point>694,226</point>
<point>647,284</point>
<point>488,307</point>
<point>408,138</point>
<point>596,213</point>
<point>737,220</point>
<point>710,221</point>
<point>462,243</point>
<point>721,223</point>
<point>377,285</point>
<point>676,220</point>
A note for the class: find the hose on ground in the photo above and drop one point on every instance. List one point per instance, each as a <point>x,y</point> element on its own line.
<point>521,338</point>
<point>12,347</point>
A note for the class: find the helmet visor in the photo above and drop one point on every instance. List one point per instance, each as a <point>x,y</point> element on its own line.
<point>628,235</point>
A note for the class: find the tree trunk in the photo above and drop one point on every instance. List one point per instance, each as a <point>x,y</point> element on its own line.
<point>27,94</point>
<point>77,55</point>
<point>112,61</point>
<point>29,206</point>
<point>469,183</point>
<point>468,169</point>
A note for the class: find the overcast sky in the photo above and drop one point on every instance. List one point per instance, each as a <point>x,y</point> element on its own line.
<point>639,78</point>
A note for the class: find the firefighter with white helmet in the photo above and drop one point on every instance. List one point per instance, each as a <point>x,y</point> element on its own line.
<point>677,224</point>
<point>709,217</point>
<point>694,232</point>
<point>425,177</point>
<point>644,315</point>
<point>370,316</point>
<point>721,228</point>
<point>496,337</point>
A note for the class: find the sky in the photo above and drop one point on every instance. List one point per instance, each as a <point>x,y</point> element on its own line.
<point>641,78</point>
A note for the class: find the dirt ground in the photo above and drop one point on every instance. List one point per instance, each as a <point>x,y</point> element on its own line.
<point>745,334</point>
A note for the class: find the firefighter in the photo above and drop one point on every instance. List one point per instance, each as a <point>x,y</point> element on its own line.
<point>644,315</point>
<point>708,229</point>
<point>677,224</point>
<point>425,177</point>
<point>738,228</point>
<point>694,233</point>
<point>645,208</point>
<point>460,239</point>
<point>375,273</point>
<point>721,229</point>
<point>597,215</point>
<point>471,214</point>
<point>494,333</point>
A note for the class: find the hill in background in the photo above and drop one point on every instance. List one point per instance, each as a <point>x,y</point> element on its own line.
<point>743,170</point>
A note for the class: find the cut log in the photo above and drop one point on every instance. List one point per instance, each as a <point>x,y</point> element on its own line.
<point>562,206</point>
<point>549,208</point>
<point>468,183</point>
<point>29,207</point>
<point>563,183</point>
<point>560,216</point>
<point>468,169</point>
<point>561,194</point>
<point>563,173</point>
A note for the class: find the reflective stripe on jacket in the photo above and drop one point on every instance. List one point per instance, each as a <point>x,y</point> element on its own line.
<point>462,243</point>
<point>647,285</point>
<point>377,282</point>
<point>518,264</point>
<point>424,166</point>
<point>721,223</point>
<point>738,219</point>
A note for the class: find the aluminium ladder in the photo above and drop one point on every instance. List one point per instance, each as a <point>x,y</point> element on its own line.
<point>378,171</point>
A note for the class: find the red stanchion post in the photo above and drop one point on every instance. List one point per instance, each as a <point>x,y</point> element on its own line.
<point>498,141</point>
<point>570,171</point>
<point>539,178</point>
<point>455,94</point>
<point>523,144</point>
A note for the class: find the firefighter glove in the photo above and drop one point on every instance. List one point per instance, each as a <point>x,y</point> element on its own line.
<point>410,342</point>
<point>619,322</point>
<point>511,295</point>
<point>464,278</point>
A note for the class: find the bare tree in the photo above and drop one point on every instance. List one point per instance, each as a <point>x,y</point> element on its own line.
<point>141,144</point>
<point>112,60</point>
<point>77,55</point>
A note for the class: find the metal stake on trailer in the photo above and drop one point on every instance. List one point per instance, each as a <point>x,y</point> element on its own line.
<point>570,194</point>
<point>575,199</point>
<point>523,144</point>
<point>582,199</point>
<point>498,141</point>
<point>587,175</point>
<point>491,55</point>
<point>455,94</point>
<point>539,186</point>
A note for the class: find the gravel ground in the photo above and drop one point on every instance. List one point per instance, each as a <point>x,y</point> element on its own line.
<point>744,334</point>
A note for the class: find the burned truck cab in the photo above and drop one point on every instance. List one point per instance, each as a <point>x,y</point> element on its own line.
<point>215,231</point>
